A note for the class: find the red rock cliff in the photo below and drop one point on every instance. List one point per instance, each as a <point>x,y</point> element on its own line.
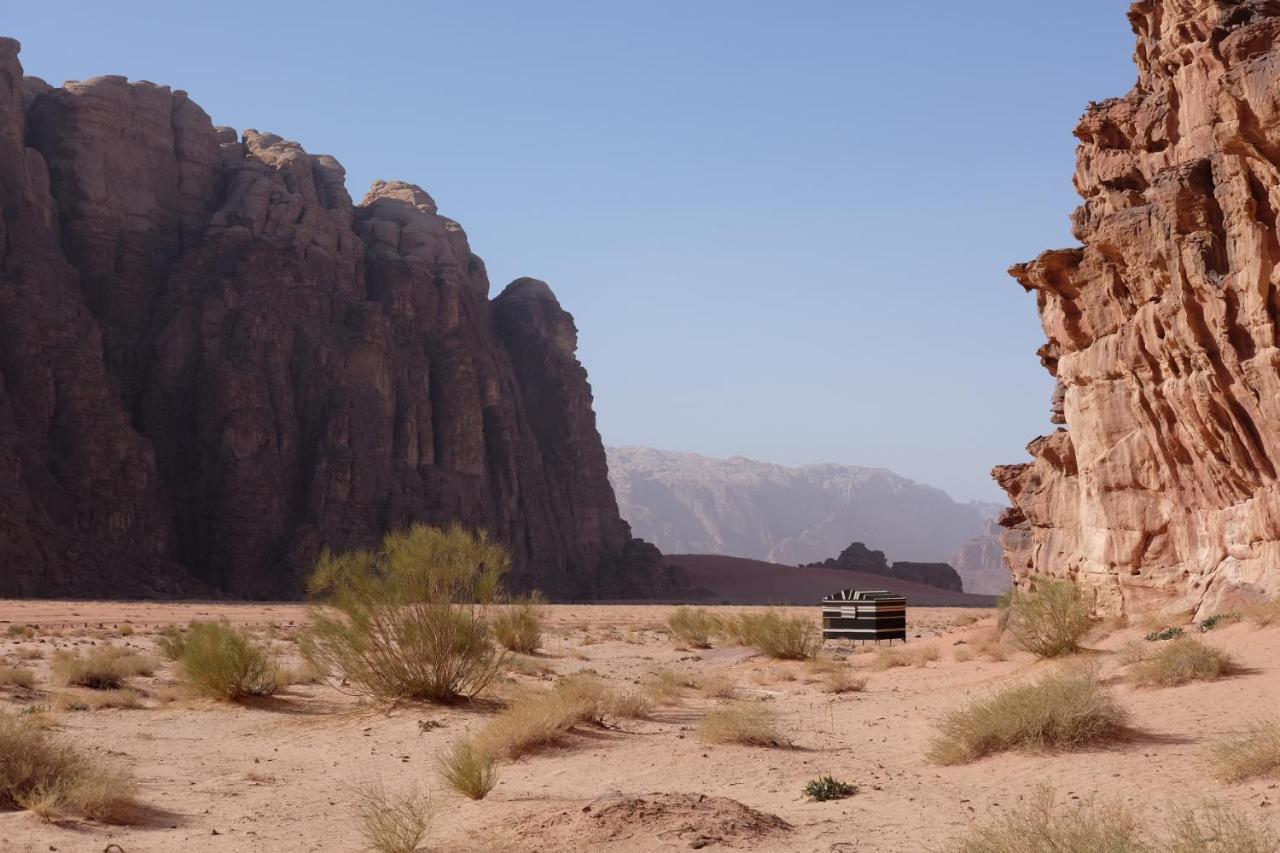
<point>213,364</point>
<point>1162,329</point>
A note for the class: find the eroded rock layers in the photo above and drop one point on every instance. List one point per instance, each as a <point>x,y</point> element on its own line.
<point>1162,329</point>
<point>213,364</point>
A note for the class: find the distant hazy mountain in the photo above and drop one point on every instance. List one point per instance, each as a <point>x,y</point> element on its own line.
<point>690,504</point>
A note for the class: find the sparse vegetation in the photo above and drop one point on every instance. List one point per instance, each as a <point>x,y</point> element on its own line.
<point>742,722</point>
<point>1217,620</point>
<point>97,700</point>
<point>908,655</point>
<point>106,668</point>
<point>18,629</point>
<point>1183,660</point>
<point>1172,633</point>
<point>693,626</point>
<point>519,626</point>
<point>468,769</point>
<point>223,662</point>
<point>409,620</point>
<point>843,680</point>
<point>666,686</point>
<point>717,685</point>
<point>1059,711</point>
<point>776,635</point>
<point>171,641</point>
<point>40,772</point>
<point>1049,621</point>
<point>1250,755</point>
<point>16,676</point>
<point>826,788</point>
<point>1264,613</point>
<point>392,823</point>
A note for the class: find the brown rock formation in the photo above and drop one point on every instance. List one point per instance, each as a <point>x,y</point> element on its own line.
<point>859,558</point>
<point>1162,328</point>
<point>980,561</point>
<point>213,364</point>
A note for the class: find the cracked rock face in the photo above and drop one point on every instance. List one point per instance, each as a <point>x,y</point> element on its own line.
<point>213,364</point>
<point>1162,329</point>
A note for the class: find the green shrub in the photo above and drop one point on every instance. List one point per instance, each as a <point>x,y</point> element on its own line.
<point>1172,633</point>
<point>693,626</point>
<point>468,769</point>
<point>828,788</point>
<point>518,627</point>
<point>409,621</point>
<point>1049,621</point>
<point>1217,620</point>
<point>223,662</point>
<point>778,636</point>
<point>1183,660</point>
<point>1059,711</point>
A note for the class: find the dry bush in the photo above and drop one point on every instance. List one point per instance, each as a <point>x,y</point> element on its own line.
<point>1252,754</point>
<point>106,668</point>
<point>468,769</point>
<point>518,627</point>
<point>223,662</point>
<point>16,676</point>
<point>778,636</point>
<point>749,723</point>
<point>1213,828</point>
<point>410,621</point>
<point>1048,621</point>
<point>908,655</point>
<point>29,653</point>
<point>843,680</point>
<point>18,629</point>
<point>125,630</point>
<point>666,686</point>
<point>392,823</point>
<point>535,721</point>
<point>693,626</point>
<point>1181,661</point>
<point>1059,711</point>
<point>717,685</point>
<point>97,700</point>
<point>39,770</point>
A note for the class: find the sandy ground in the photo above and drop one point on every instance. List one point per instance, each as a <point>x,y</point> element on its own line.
<point>278,775</point>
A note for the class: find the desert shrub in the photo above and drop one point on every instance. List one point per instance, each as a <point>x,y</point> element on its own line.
<point>666,686</point>
<point>18,629</point>
<point>518,627</point>
<point>1217,620</point>
<point>409,621</point>
<point>748,723</point>
<point>223,662</point>
<point>535,721</point>
<point>468,769</point>
<point>171,641</point>
<point>778,636</point>
<point>1048,621</point>
<point>102,669</point>
<point>1213,828</point>
<point>16,676</point>
<point>1172,633</point>
<point>40,771</point>
<point>717,685</point>
<point>392,823</point>
<point>1252,754</point>
<point>843,680</point>
<point>909,655</point>
<point>125,630</point>
<point>1059,711</point>
<point>693,626</point>
<point>1041,825</point>
<point>1183,660</point>
<point>826,788</point>
<point>97,700</point>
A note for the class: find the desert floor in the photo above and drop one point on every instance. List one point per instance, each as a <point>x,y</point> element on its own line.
<point>280,774</point>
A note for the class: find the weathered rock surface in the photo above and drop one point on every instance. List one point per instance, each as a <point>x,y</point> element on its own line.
<point>213,364</point>
<point>691,504</point>
<point>1162,329</point>
<point>980,561</point>
<point>859,558</point>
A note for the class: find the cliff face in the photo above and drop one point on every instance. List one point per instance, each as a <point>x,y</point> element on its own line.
<point>213,364</point>
<point>1162,329</point>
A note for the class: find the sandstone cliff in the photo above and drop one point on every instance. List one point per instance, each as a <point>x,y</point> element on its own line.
<point>859,558</point>
<point>1162,329</point>
<point>213,364</point>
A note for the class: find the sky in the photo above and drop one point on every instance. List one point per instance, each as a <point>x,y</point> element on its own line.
<point>782,228</point>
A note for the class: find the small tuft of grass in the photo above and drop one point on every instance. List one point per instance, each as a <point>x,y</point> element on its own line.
<point>468,769</point>
<point>392,823</point>
<point>1250,755</point>
<point>718,685</point>
<point>842,680</point>
<point>518,627</point>
<point>223,662</point>
<point>908,655</point>
<point>16,676</point>
<point>826,788</point>
<point>1059,711</point>
<point>741,722</point>
<point>778,636</point>
<point>1173,632</point>
<point>666,686</point>
<point>693,626</point>
<point>536,721</point>
<point>121,698</point>
<point>1181,661</point>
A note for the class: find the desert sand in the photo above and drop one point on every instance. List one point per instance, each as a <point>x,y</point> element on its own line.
<point>280,774</point>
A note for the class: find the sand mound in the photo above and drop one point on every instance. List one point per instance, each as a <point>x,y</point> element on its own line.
<point>680,821</point>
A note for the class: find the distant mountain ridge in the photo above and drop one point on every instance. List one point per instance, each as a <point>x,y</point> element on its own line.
<point>686,503</point>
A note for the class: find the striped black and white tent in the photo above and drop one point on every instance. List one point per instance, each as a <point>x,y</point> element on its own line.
<point>864,614</point>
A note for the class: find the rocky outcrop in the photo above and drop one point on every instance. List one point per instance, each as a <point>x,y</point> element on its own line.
<point>859,558</point>
<point>691,504</point>
<point>1162,329</point>
<point>213,364</point>
<point>980,561</point>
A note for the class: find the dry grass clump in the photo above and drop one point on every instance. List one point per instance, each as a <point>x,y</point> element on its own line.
<point>16,676</point>
<point>97,700</point>
<point>410,621</point>
<point>305,672</point>
<point>778,636</point>
<point>693,626</point>
<point>518,628</point>
<point>907,655</point>
<point>37,771</point>
<point>1252,754</point>
<point>29,653</point>
<point>666,686</point>
<point>536,721</point>
<point>18,629</point>
<point>170,641</point>
<point>106,668</point>
<point>843,680</point>
<point>468,769</point>
<point>718,685</point>
<point>1049,621</point>
<point>1059,711</point>
<point>392,823</point>
<point>748,723</point>
<point>223,662</point>
<point>1181,661</point>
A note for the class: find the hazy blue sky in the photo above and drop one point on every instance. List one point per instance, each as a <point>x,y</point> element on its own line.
<point>782,227</point>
